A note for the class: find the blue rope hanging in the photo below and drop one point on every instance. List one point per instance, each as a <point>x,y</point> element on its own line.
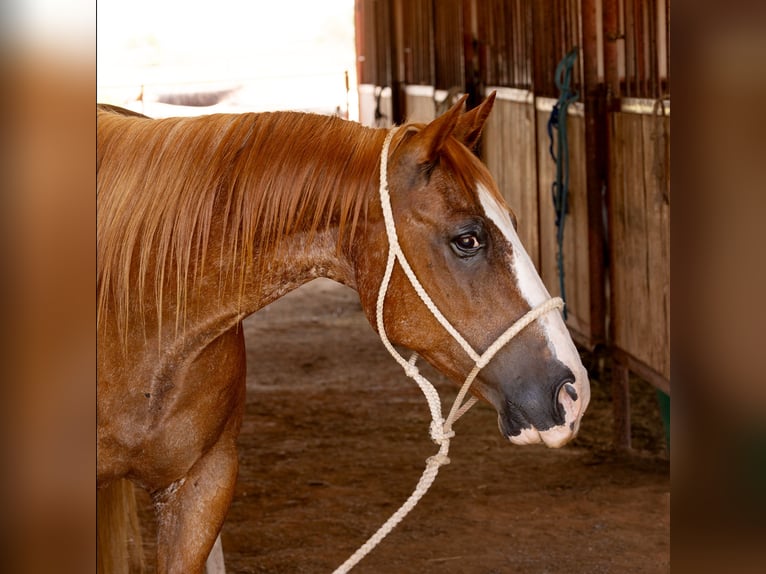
<point>560,187</point>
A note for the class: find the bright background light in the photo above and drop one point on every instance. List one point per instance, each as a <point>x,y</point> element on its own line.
<point>267,55</point>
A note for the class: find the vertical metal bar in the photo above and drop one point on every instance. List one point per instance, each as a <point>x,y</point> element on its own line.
<point>523,51</point>
<point>459,45</point>
<point>469,54</point>
<point>611,73</point>
<point>414,44</point>
<point>638,21</point>
<point>429,43</point>
<point>667,45</point>
<point>430,40</point>
<point>575,36</point>
<point>563,18</point>
<point>512,40</point>
<point>521,55</point>
<point>630,49</point>
<point>493,44</point>
<point>398,64</point>
<point>506,32</point>
<point>654,50</point>
<point>538,48</point>
<point>518,54</point>
<point>527,23</point>
<point>513,43</point>
<point>487,42</point>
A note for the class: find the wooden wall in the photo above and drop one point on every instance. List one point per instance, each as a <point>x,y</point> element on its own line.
<point>419,103</point>
<point>508,149</point>
<point>515,147</point>
<point>639,238</point>
<point>576,222</point>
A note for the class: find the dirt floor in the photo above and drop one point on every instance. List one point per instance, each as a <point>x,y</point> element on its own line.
<point>335,438</point>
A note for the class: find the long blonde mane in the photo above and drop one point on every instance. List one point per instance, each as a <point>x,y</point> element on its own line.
<point>176,195</point>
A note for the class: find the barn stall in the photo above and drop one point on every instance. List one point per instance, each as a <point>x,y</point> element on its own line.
<point>615,268</point>
<point>334,437</point>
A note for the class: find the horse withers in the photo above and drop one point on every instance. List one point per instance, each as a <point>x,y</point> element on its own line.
<point>203,221</point>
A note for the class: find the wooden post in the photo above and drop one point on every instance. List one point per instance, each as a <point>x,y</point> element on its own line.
<point>595,168</point>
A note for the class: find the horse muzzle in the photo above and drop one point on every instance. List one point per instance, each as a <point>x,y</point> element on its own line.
<point>550,418</point>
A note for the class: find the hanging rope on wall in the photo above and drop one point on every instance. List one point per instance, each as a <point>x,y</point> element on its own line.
<point>560,187</point>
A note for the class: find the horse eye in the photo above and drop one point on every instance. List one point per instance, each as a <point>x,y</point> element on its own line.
<point>467,244</point>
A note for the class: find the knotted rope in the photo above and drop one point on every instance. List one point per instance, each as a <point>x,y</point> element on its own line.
<point>441,429</point>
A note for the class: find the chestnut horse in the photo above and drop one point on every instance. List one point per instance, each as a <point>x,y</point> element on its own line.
<point>203,221</point>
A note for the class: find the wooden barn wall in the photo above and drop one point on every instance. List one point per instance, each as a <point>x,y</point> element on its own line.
<point>505,30</point>
<point>374,30</point>
<point>639,233</point>
<point>449,69</point>
<point>418,41</point>
<point>576,222</point>
<point>508,149</point>
<point>373,34</point>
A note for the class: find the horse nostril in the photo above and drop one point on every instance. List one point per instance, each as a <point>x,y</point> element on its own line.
<point>569,388</point>
<point>562,403</point>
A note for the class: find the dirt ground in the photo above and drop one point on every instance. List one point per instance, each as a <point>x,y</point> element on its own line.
<point>335,438</point>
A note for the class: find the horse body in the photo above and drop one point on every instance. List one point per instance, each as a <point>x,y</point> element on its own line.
<point>203,221</point>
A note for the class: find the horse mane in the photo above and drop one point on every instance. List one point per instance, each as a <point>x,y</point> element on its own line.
<point>170,190</point>
<point>178,194</point>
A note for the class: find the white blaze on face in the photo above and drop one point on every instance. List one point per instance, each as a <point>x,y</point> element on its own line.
<point>559,341</point>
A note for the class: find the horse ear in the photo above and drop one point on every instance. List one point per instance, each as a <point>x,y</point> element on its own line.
<point>470,124</point>
<point>429,141</point>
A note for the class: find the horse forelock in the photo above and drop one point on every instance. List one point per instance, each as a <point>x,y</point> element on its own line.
<point>179,195</point>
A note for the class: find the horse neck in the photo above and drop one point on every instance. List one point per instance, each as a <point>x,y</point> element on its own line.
<point>219,216</point>
<point>305,196</point>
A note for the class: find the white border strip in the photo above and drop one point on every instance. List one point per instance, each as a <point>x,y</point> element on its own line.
<point>418,90</point>
<point>546,105</point>
<point>369,89</point>
<point>511,94</point>
<point>645,106</point>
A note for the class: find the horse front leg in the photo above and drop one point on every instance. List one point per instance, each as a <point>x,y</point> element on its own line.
<point>191,511</point>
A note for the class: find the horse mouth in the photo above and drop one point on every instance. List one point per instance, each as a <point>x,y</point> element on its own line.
<point>518,430</point>
<point>515,427</point>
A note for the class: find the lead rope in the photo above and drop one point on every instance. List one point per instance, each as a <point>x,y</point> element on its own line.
<point>440,430</point>
<point>560,187</point>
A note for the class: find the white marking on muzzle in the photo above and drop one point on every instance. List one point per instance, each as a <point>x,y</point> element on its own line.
<point>534,292</point>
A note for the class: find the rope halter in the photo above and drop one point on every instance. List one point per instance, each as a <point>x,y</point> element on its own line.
<point>441,429</point>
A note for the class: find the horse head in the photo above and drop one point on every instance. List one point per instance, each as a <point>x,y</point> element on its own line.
<point>460,240</point>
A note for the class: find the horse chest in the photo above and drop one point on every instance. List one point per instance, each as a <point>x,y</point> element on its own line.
<point>163,417</point>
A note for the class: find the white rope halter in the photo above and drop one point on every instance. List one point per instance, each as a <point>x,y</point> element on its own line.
<point>441,430</point>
